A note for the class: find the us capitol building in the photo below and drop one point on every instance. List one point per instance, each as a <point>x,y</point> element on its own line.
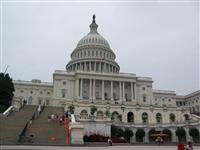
<point>92,78</point>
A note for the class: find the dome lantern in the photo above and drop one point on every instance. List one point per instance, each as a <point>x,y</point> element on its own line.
<point>93,25</point>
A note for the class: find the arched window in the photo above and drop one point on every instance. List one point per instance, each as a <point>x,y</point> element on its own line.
<point>186,117</point>
<point>84,114</point>
<point>130,117</point>
<point>99,115</point>
<point>158,118</point>
<point>172,117</point>
<point>144,117</point>
<point>115,116</point>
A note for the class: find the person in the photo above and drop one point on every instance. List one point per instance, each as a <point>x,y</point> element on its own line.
<point>161,140</point>
<point>188,146</point>
<point>180,146</point>
<point>158,139</point>
<point>109,141</point>
<point>39,110</point>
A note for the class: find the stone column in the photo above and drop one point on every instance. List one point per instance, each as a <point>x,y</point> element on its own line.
<point>77,87</point>
<point>85,66</point>
<point>81,88</point>
<point>187,134</point>
<point>94,91</point>
<point>120,91</point>
<point>100,67</point>
<point>90,92</point>
<point>146,137</point>
<point>104,67</point>
<point>174,138</point>
<point>123,92</point>
<point>102,97</point>
<point>135,94</point>
<point>111,89</point>
<point>131,91</point>
<point>90,66</point>
<point>95,65</point>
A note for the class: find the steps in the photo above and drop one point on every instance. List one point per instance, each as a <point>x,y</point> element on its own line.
<point>47,133</point>
<point>11,126</point>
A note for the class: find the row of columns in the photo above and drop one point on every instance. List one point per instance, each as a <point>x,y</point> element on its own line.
<point>98,67</point>
<point>92,89</point>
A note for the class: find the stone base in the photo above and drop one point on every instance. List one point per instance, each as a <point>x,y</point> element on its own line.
<point>76,133</point>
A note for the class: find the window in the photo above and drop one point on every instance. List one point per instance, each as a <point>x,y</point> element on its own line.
<point>186,117</point>
<point>130,117</point>
<point>30,99</point>
<point>40,92</point>
<point>172,117</point>
<point>99,115</point>
<point>47,102</point>
<point>143,88</point>
<point>144,98</point>
<point>84,114</point>
<point>31,92</point>
<point>63,92</point>
<point>158,118</point>
<point>21,91</point>
<point>144,117</point>
<point>48,93</point>
<point>64,82</point>
<point>39,101</point>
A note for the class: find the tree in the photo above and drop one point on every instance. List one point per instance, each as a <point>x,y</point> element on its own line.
<point>93,109</point>
<point>116,131</point>
<point>6,91</point>
<point>195,134</point>
<point>139,135</point>
<point>128,134</point>
<point>169,134</point>
<point>71,109</point>
<point>180,132</point>
<point>152,131</point>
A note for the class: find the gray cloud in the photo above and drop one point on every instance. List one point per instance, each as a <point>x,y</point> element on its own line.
<point>160,40</point>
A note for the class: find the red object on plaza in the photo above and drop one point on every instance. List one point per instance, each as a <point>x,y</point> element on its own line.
<point>52,138</point>
<point>66,130</point>
<point>180,146</point>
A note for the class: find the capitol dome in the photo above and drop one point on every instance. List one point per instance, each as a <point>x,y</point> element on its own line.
<point>93,53</point>
<point>93,39</point>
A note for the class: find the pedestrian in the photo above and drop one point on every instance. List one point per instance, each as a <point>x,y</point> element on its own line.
<point>38,110</point>
<point>109,141</point>
<point>188,146</point>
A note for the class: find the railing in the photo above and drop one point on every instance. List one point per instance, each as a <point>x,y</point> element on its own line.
<point>8,111</point>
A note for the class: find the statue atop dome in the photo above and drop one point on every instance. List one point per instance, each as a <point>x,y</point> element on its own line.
<point>93,17</point>
<point>93,25</point>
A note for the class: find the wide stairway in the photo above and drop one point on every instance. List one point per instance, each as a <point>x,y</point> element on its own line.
<point>12,125</point>
<point>44,132</point>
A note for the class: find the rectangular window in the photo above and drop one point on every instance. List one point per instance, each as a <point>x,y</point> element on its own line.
<point>63,92</point>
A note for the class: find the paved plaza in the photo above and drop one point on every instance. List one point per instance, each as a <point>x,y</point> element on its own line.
<point>90,148</point>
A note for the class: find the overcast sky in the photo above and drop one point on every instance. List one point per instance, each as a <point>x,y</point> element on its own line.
<point>152,39</point>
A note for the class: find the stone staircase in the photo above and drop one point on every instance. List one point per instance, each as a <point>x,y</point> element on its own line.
<point>12,125</point>
<point>44,132</point>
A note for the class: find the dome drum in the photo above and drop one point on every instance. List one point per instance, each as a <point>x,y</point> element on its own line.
<point>94,66</point>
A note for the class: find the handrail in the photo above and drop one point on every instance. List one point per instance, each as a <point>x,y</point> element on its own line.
<point>8,111</point>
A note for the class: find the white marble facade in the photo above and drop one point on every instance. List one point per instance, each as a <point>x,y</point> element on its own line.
<point>92,77</point>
